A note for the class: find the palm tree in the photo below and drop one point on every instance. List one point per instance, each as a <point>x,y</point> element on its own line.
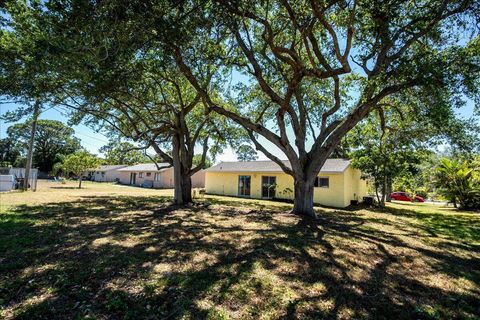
<point>458,182</point>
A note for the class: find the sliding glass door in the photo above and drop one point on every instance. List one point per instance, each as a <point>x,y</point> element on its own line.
<point>244,185</point>
<point>268,187</point>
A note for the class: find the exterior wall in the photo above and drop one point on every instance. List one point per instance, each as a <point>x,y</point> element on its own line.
<point>355,187</point>
<point>333,196</point>
<point>113,175</point>
<point>139,181</point>
<point>226,183</point>
<point>108,176</point>
<point>166,179</point>
<point>97,176</point>
<point>342,186</point>
<point>7,182</point>
<point>363,187</point>
<point>124,177</point>
<point>198,179</point>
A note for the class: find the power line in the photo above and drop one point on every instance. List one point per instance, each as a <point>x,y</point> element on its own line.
<point>95,138</point>
<point>83,134</point>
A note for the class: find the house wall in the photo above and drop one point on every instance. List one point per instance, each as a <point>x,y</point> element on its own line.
<point>97,176</point>
<point>355,187</point>
<point>333,196</point>
<point>226,183</point>
<point>113,175</point>
<point>108,176</point>
<point>198,179</point>
<point>166,179</point>
<point>342,186</point>
<point>145,177</point>
<point>124,177</point>
<point>101,176</point>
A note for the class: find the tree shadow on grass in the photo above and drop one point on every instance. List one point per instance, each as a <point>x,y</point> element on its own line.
<point>453,225</point>
<point>140,257</point>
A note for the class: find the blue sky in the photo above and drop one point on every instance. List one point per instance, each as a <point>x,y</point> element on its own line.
<point>91,140</point>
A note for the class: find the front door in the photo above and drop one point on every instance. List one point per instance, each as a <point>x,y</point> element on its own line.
<point>133,178</point>
<point>244,185</point>
<point>268,187</point>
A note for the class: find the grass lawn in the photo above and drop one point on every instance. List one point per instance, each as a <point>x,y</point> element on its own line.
<point>116,252</point>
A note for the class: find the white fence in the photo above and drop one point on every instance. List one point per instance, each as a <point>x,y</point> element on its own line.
<point>19,174</point>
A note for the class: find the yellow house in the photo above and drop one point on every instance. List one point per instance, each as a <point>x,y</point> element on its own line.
<point>336,185</point>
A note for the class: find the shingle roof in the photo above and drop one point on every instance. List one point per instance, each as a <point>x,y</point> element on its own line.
<point>145,167</point>
<point>330,166</point>
<point>104,168</point>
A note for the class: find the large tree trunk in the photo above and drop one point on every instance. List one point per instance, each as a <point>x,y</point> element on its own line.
<point>80,181</point>
<point>181,178</point>
<point>182,187</point>
<point>186,185</point>
<point>303,198</point>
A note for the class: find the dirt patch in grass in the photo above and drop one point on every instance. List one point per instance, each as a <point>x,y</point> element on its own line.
<point>130,257</point>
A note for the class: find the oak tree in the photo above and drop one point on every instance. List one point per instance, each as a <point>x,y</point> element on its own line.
<point>315,69</point>
<point>52,139</point>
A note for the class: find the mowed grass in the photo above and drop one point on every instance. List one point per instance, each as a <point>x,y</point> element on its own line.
<point>115,252</point>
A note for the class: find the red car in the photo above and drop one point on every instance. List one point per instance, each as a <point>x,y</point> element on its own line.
<point>402,196</point>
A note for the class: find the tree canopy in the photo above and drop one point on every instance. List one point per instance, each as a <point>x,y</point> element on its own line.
<point>121,152</point>
<point>138,95</point>
<point>26,67</point>
<point>393,141</point>
<point>52,139</point>
<point>245,152</point>
<point>10,153</point>
<point>298,74</point>
<point>315,69</point>
<point>77,163</point>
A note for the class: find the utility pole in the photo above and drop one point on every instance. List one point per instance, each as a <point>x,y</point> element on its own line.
<point>36,112</point>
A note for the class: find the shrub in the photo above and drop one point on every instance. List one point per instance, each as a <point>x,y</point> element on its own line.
<point>459,182</point>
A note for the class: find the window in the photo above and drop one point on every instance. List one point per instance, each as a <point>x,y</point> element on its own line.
<point>157,176</point>
<point>322,182</point>
<point>140,174</point>
<point>244,185</point>
<point>149,174</point>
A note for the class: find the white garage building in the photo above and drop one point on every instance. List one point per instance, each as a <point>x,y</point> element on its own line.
<point>106,173</point>
<point>147,175</point>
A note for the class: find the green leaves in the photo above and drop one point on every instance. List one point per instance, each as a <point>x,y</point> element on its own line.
<point>459,182</point>
<point>79,162</point>
<point>26,67</point>
<point>52,140</point>
<point>118,152</point>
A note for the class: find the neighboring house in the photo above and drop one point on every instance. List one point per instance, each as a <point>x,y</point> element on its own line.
<point>105,173</point>
<point>147,175</point>
<point>336,185</point>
